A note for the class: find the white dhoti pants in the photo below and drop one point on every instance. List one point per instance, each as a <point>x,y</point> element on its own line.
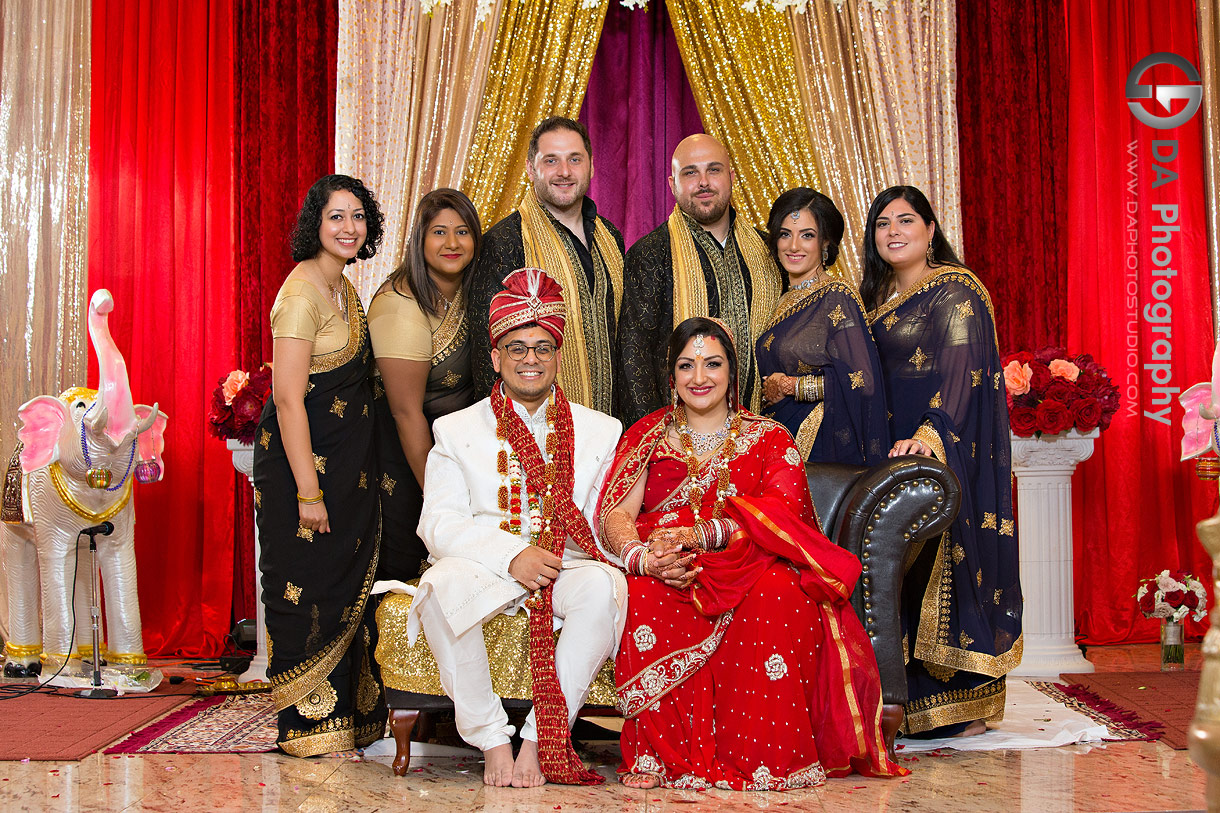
<point>583,599</point>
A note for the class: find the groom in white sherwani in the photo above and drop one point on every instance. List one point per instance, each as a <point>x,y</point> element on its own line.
<point>510,492</point>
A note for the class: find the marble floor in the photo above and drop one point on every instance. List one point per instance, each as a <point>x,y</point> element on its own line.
<point>1132,776</point>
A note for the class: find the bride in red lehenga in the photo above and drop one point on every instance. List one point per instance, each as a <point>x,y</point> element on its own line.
<point>742,665</point>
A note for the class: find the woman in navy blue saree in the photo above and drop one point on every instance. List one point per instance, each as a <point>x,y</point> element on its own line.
<point>935,331</point>
<point>821,373</point>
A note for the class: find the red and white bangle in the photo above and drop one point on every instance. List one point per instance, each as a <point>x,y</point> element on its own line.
<point>635,557</point>
<point>714,534</point>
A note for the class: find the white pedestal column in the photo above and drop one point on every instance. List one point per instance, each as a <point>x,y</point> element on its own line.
<point>243,461</point>
<point>1043,467</point>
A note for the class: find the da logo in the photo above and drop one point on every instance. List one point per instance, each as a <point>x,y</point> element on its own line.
<point>1164,94</point>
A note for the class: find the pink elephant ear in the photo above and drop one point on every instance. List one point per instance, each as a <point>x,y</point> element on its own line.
<point>42,424</point>
<point>1196,430</point>
<point>151,442</point>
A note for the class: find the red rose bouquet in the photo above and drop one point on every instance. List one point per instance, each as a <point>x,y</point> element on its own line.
<point>1172,596</point>
<point>1051,392</point>
<point>237,403</point>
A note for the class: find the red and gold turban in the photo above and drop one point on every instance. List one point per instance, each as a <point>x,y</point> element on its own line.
<point>529,297</point>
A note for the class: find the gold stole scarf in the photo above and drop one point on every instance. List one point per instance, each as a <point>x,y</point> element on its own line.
<point>747,319</point>
<point>584,369</point>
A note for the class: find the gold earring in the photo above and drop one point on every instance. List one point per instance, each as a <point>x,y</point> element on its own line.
<point>930,255</point>
<point>673,398</point>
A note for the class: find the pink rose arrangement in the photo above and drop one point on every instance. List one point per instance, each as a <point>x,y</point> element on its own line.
<point>237,404</point>
<point>1051,392</point>
<point>1172,596</point>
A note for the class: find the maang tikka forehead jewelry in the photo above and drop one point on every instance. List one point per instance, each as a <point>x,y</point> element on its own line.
<point>698,344</point>
<point>796,215</point>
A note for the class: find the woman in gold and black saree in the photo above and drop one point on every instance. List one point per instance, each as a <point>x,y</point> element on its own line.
<point>821,374</point>
<point>935,331</point>
<point>314,450</point>
<point>420,333</point>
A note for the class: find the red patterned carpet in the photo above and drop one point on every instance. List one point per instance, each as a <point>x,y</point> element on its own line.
<point>234,724</point>
<point>1155,702</point>
<point>62,727</point>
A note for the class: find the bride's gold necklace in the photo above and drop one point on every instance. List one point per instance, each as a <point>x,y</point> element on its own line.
<point>728,446</point>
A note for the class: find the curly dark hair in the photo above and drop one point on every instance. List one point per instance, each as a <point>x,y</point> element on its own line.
<point>304,240</point>
<point>878,276</point>
<point>690,328</point>
<point>412,273</point>
<point>824,211</point>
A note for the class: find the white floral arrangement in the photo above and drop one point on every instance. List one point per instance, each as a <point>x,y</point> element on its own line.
<point>1172,596</point>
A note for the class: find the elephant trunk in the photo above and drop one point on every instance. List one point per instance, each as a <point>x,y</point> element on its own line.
<point>114,389</point>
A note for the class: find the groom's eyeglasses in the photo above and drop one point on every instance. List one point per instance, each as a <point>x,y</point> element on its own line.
<point>517,351</point>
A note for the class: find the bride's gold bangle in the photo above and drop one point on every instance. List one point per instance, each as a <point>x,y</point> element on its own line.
<point>311,500</point>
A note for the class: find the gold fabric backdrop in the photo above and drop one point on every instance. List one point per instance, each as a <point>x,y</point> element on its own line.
<point>409,93</point>
<point>44,204</point>
<point>742,71</point>
<point>878,86</point>
<point>539,67</point>
<point>910,52</point>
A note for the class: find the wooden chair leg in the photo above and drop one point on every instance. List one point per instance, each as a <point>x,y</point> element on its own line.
<point>891,721</point>
<point>402,724</point>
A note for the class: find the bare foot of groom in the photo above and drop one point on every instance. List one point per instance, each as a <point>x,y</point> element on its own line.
<point>527,772</point>
<point>498,766</point>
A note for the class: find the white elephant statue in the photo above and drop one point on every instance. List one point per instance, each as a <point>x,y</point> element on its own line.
<point>73,468</point>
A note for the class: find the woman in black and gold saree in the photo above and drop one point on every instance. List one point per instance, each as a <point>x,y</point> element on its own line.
<point>935,331</point>
<point>821,374</point>
<point>314,451</point>
<point>420,334</point>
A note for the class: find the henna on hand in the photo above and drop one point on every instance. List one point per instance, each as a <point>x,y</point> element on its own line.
<point>620,529</point>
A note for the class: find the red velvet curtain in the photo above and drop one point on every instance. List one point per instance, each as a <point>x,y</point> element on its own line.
<point>1012,127</point>
<point>638,107</point>
<point>160,202</point>
<point>284,118</point>
<point>1135,505</point>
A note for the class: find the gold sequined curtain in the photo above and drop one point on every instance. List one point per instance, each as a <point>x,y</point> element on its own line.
<point>409,91</point>
<point>879,83</point>
<point>539,67</point>
<point>742,70</point>
<point>1209,69</point>
<point>44,123</point>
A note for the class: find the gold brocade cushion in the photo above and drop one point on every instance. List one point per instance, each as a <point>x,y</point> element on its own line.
<point>413,669</point>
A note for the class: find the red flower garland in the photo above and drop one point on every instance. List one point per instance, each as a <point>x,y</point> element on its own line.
<point>553,482</point>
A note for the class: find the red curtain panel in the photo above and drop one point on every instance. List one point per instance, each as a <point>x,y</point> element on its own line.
<point>1137,298</point>
<point>1012,129</point>
<point>638,106</point>
<point>160,201</point>
<point>284,134</point>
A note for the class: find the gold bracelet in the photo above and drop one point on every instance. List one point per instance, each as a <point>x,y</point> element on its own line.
<point>311,500</point>
<point>809,388</point>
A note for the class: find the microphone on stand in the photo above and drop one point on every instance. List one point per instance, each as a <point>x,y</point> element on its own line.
<point>97,690</point>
